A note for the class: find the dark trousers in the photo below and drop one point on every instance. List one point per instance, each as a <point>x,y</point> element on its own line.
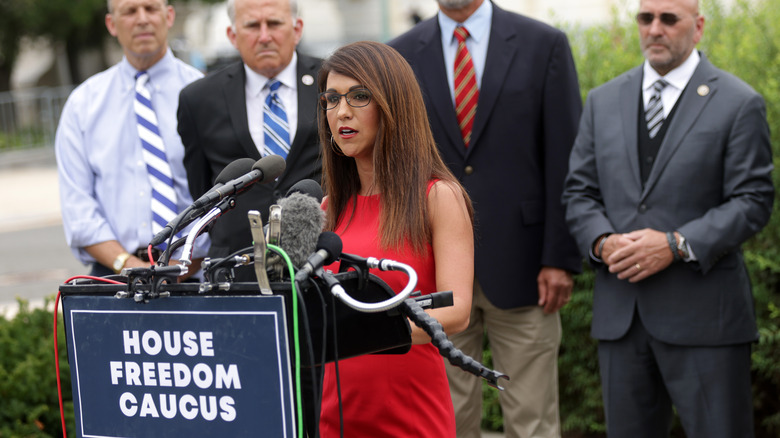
<point>642,378</point>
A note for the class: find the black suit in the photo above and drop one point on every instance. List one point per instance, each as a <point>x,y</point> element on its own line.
<point>513,169</point>
<point>516,162</point>
<point>214,130</point>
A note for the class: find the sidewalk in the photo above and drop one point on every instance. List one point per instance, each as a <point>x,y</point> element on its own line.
<point>29,190</point>
<point>35,258</point>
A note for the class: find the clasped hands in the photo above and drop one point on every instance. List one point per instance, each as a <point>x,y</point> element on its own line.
<point>637,255</point>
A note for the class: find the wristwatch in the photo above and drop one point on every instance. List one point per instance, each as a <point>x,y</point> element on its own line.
<point>682,247</point>
<point>119,262</point>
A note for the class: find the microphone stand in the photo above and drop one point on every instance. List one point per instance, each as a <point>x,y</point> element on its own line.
<point>226,204</point>
<point>414,311</point>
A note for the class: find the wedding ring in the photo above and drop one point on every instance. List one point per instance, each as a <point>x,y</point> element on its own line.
<point>638,268</point>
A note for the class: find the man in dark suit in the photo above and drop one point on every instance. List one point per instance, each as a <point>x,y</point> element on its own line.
<point>221,117</point>
<point>670,174</point>
<point>510,152</point>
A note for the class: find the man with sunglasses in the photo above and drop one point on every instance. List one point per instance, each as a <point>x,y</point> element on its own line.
<point>669,175</point>
<point>264,104</point>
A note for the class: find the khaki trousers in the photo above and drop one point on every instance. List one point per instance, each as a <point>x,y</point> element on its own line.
<point>524,343</point>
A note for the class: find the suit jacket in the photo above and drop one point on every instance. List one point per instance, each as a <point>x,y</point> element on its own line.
<point>214,130</point>
<point>711,181</point>
<point>525,124</point>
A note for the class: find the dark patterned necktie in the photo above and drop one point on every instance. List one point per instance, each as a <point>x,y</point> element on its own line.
<point>654,113</point>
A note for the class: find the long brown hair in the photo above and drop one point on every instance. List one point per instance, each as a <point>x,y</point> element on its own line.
<point>405,154</point>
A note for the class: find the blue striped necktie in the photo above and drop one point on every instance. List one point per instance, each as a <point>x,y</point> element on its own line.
<point>276,131</point>
<point>654,113</point>
<point>160,174</point>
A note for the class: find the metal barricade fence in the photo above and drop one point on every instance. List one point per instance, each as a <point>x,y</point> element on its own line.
<point>28,118</point>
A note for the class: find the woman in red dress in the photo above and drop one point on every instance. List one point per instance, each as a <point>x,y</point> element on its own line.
<point>390,195</point>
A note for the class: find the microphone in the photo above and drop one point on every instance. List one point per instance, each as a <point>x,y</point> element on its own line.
<point>301,225</point>
<point>307,187</point>
<point>232,171</point>
<point>265,169</point>
<point>328,249</point>
<point>272,229</point>
<point>294,224</point>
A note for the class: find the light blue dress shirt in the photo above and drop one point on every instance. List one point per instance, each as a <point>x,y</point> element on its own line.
<point>104,186</point>
<point>478,25</point>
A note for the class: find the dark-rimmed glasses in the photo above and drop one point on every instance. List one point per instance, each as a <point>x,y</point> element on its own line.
<point>667,18</point>
<point>356,98</point>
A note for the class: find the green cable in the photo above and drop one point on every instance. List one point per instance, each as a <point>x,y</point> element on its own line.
<point>296,343</point>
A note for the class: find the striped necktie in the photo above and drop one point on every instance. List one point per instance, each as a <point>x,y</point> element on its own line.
<point>654,113</point>
<point>276,131</point>
<point>160,174</point>
<point>466,91</point>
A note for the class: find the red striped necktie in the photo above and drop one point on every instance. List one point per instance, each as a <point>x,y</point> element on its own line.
<point>466,91</point>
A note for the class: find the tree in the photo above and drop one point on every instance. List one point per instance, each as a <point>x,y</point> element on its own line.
<point>78,24</point>
<point>11,30</point>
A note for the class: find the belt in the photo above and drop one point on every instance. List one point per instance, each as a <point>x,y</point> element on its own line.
<point>143,254</point>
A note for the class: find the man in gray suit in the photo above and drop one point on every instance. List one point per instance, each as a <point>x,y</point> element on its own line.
<point>670,173</point>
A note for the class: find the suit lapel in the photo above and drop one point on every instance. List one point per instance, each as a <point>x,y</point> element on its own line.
<point>430,59</point>
<point>690,107</point>
<point>629,113</point>
<point>235,99</point>
<point>307,112</point>
<point>501,50</point>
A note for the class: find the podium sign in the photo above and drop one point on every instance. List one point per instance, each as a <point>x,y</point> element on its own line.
<point>180,366</point>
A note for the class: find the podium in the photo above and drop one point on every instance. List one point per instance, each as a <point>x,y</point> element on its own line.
<point>208,364</point>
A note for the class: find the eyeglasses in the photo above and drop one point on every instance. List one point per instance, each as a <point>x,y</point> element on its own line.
<point>667,18</point>
<point>357,98</point>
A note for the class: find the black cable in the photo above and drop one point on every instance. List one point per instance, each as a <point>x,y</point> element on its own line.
<point>229,258</point>
<point>319,378</point>
<point>336,365</point>
<point>307,336</point>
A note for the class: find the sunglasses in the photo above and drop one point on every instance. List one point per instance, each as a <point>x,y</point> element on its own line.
<point>667,18</point>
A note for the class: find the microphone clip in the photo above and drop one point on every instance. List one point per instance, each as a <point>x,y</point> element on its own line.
<point>149,283</point>
<point>357,264</point>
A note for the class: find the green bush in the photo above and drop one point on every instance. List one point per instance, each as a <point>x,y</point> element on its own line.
<point>744,41</point>
<point>29,405</point>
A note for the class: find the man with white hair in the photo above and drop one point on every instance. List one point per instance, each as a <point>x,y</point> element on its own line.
<point>264,104</point>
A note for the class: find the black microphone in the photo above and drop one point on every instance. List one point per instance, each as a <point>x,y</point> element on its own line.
<point>328,249</point>
<point>232,171</point>
<point>307,187</point>
<point>265,169</point>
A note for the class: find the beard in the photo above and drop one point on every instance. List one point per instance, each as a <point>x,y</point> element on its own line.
<point>453,4</point>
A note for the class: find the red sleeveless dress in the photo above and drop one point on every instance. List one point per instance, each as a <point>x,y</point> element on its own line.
<point>386,395</point>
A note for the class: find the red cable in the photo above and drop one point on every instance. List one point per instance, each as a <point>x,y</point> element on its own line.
<point>149,251</point>
<point>56,349</point>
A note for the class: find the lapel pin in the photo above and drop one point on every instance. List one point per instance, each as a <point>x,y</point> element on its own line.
<point>307,79</point>
<point>703,90</point>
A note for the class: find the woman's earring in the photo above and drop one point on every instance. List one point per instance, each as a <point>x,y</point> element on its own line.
<point>336,149</point>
